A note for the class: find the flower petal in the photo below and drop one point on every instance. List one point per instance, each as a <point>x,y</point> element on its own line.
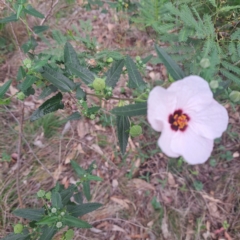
<point>164,142</point>
<point>210,122</point>
<point>195,149</point>
<point>161,103</point>
<point>192,93</point>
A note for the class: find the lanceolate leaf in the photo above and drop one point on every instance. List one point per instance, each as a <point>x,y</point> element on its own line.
<point>11,18</point>
<point>48,233</point>
<point>51,105</point>
<point>58,79</point>
<point>86,190</point>
<point>75,222</point>
<point>27,83</point>
<point>4,88</point>
<point>123,126</point>
<point>32,11</point>
<point>40,29</point>
<point>173,69</point>
<point>131,110</point>
<point>83,73</point>
<point>114,73</point>
<point>135,78</point>
<point>14,236</point>
<point>80,210</point>
<point>47,91</point>
<point>56,200</point>
<point>30,214</point>
<point>74,116</point>
<point>70,56</point>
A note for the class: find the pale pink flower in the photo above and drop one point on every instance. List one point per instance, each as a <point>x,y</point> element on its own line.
<point>188,117</point>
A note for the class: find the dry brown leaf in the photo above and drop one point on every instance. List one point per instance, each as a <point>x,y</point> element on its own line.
<point>164,228</point>
<point>82,129</point>
<point>171,180</point>
<point>213,210</point>
<point>236,154</point>
<point>227,236</point>
<point>122,202</point>
<point>58,172</point>
<point>117,228</point>
<point>97,149</point>
<point>141,184</point>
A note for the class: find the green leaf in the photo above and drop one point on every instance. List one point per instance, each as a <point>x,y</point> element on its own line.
<point>4,88</point>
<point>74,116</point>
<point>93,110</point>
<point>29,91</point>
<point>135,78</point>
<point>70,56</point>
<point>32,11</point>
<point>56,200</point>
<point>19,10</point>
<point>114,73</point>
<point>123,126</point>
<point>93,178</point>
<point>40,29</point>
<point>146,59</point>
<point>47,91</point>
<point>78,198</point>
<point>48,233</point>
<point>58,79</point>
<point>29,45</point>
<point>47,220</point>
<point>86,190</point>
<point>83,73</point>
<point>51,105</point>
<point>12,18</point>
<point>80,210</point>
<point>131,110</point>
<point>66,194</point>
<point>19,236</point>
<point>80,94</point>
<point>173,69</point>
<point>75,222</point>
<point>27,83</point>
<point>80,171</point>
<point>21,73</point>
<point>28,213</point>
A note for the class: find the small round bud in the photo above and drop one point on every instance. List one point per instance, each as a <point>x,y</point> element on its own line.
<point>138,58</point>
<point>62,213</point>
<point>205,63</point>
<point>135,130</point>
<point>110,59</point>
<point>41,193</point>
<point>85,175</point>
<point>99,84</point>
<point>94,166</point>
<point>235,96</point>
<point>18,228</point>
<point>48,195</point>
<point>59,224</point>
<point>21,96</point>
<point>81,101</point>
<point>27,63</point>
<point>53,210</point>
<point>214,84</point>
<point>92,116</point>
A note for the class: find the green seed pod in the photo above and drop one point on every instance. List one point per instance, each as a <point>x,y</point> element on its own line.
<point>205,63</point>
<point>138,58</point>
<point>135,130</point>
<point>21,96</point>
<point>109,60</point>
<point>18,228</point>
<point>99,84</point>
<point>41,193</point>
<point>92,116</point>
<point>235,96</point>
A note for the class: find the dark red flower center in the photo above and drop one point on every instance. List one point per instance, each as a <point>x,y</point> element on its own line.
<point>178,120</point>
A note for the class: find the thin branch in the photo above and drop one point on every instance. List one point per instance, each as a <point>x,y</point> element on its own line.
<point>49,12</point>
<point>28,145</point>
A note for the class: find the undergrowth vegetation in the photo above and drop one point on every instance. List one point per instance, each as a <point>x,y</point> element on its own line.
<point>67,76</point>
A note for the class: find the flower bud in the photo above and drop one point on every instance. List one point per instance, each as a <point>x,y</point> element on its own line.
<point>98,84</point>
<point>59,224</point>
<point>27,63</point>
<point>235,96</point>
<point>109,60</point>
<point>135,130</point>
<point>53,210</point>
<point>205,63</point>
<point>18,228</point>
<point>92,116</point>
